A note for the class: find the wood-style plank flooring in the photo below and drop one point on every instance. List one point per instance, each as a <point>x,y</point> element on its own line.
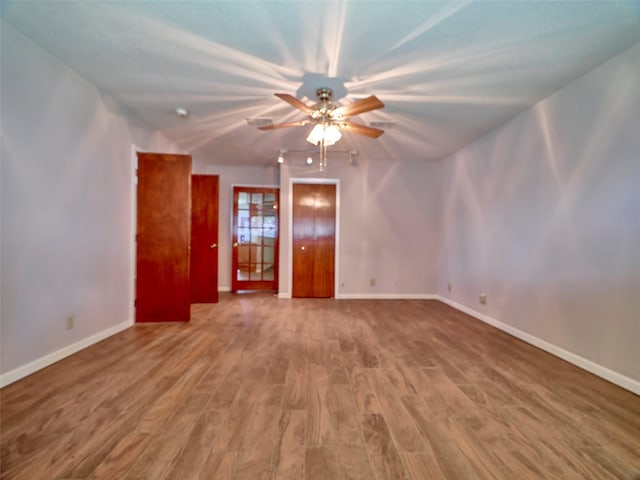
<point>260,388</point>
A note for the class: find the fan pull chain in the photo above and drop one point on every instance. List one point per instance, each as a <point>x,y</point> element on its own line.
<point>323,155</point>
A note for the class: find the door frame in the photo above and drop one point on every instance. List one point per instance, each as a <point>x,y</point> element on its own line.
<point>133,226</point>
<point>336,266</point>
<point>232,230</point>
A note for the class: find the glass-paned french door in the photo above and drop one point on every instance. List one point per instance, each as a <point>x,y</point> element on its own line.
<point>255,238</point>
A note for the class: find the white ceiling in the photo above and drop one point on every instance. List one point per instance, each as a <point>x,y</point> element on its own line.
<point>447,71</point>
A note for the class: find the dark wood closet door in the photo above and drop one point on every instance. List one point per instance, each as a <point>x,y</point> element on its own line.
<point>204,238</point>
<point>314,221</point>
<point>163,236</point>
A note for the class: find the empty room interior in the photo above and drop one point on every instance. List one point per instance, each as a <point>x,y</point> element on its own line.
<point>320,240</point>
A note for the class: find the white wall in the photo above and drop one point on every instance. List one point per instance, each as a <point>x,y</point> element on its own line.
<point>230,176</point>
<point>388,217</point>
<point>543,215</point>
<point>66,208</point>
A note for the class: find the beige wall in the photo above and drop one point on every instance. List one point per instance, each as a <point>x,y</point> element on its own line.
<point>543,215</point>
<point>388,215</point>
<point>66,209</point>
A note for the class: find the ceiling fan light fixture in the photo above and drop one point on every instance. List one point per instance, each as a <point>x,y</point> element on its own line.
<point>329,132</point>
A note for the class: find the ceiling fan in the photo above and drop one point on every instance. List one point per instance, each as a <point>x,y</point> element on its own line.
<point>329,119</point>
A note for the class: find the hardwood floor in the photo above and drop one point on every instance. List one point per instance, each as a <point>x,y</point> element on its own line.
<point>260,388</point>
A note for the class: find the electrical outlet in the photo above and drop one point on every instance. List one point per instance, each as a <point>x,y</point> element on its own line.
<point>372,282</point>
<point>483,298</point>
<point>71,321</point>
<point>449,287</point>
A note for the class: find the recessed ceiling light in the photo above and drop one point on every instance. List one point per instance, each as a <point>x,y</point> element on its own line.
<point>182,112</point>
<point>309,160</point>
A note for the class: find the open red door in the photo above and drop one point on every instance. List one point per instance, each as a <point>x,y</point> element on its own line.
<point>204,238</point>
<point>163,236</point>
<point>255,238</point>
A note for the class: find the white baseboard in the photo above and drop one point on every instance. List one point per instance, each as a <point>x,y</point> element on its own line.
<point>592,367</point>
<point>224,289</point>
<point>386,296</point>
<point>376,296</point>
<point>42,362</point>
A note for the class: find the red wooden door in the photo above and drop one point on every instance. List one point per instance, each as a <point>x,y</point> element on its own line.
<point>314,223</point>
<point>163,235</point>
<point>255,239</point>
<point>204,238</point>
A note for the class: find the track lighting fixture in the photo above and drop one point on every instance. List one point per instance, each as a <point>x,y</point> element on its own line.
<point>322,164</point>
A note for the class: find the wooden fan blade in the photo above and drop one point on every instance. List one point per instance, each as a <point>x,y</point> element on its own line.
<point>357,107</point>
<point>361,129</point>
<point>290,99</point>
<point>299,123</point>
